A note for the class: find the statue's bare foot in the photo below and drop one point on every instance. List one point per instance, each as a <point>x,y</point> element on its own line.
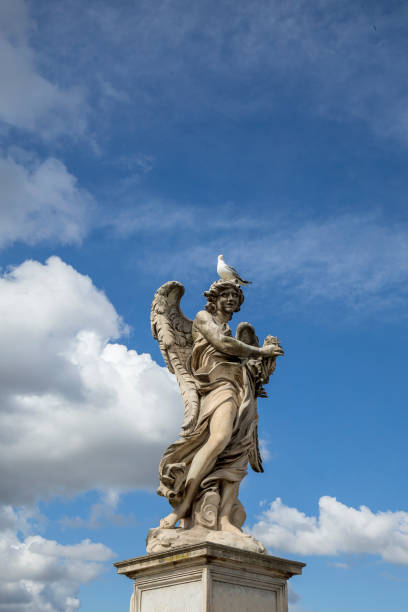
<point>179,512</point>
<point>169,521</point>
<point>226,525</point>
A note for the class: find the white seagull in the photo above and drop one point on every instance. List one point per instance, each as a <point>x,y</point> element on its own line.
<point>227,272</point>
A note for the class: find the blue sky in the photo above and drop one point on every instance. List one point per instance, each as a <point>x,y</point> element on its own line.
<point>138,140</point>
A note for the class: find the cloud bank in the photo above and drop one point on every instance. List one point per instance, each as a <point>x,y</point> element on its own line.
<point>40,575</point>
<point>78,411</point>
<point>338,529</point>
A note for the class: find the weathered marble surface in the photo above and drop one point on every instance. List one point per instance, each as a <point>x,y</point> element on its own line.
<point>220,379</point>
<point>209,578</point>
<point>162,540</point>
<point>170,598</point>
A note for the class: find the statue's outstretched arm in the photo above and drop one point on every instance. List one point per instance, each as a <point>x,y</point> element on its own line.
<point>228,344</point>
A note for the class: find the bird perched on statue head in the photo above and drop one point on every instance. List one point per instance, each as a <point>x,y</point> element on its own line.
<point>227,272</point>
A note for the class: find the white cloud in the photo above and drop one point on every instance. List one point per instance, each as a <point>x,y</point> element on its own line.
<point>142,213</point>
<point>265,450</point>
<point>349,257</point>
<point>360,260</point>
<point>151,218</point>
<point>296,608</point>
<point>100,513</point>
<point>293,597</point>
<point>341,59</point>
<point>78,412</point>
<point>293,600</point>
<point>28,100</point>
<point>40,575</point>
<point>338,529</point>
<point>40,201</point>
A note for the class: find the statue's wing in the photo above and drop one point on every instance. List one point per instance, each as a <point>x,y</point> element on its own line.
<point>261,368</point>
<point>172,329</point>
<point>246,333</point>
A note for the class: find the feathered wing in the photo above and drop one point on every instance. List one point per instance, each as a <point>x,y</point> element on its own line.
<point>231,269</point>
<point>172,330</point>
<point>246,333</point>
<point>237,275</point>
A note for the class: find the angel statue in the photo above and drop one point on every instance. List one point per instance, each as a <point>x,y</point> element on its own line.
<point>220,379</point>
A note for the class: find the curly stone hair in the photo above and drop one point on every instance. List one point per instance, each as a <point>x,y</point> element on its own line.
<point>215,291</point>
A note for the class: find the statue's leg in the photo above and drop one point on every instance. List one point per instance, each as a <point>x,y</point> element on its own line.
<point>221,424</point>
<point>229,495</point>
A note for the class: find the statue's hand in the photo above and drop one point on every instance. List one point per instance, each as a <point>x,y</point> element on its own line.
<point>271,347</point>
<point>271,350</point>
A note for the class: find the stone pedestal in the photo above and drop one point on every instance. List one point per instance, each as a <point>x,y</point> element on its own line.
<point>209,577</point>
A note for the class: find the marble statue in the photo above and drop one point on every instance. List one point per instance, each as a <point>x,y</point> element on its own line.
<point>220,379</point>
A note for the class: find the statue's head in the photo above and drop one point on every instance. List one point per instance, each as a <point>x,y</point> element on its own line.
<point>217,289</point>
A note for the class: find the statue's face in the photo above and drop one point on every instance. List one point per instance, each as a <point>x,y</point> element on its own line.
<point>228,301</point>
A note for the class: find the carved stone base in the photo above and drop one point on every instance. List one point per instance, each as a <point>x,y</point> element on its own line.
<point>163,540</point>
<point>209,578</point>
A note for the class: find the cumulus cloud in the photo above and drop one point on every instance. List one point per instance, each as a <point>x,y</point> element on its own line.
<point>338,529</point>
<point>40,575</point>
<point>29,100</point>
<point>40,200</point>
<point>77,410</point>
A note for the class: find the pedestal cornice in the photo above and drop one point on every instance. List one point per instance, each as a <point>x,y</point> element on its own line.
<point>209,553</point>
